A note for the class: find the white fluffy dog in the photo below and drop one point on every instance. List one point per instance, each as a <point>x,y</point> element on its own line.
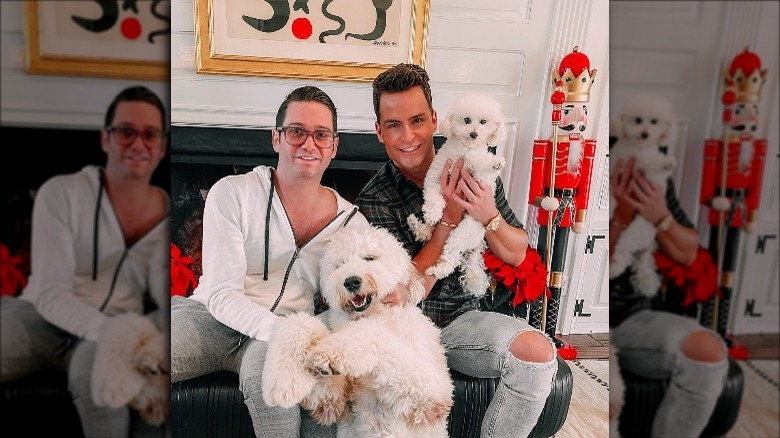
<point>132,368</point>
<point>473,123</point>
<point>644,123</point>
<point>381,371</point>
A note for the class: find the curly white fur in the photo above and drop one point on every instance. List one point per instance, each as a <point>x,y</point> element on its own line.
<point>473,123</point>
<point>381,371</point>
<point>132,367</point>
<point>644,123</point>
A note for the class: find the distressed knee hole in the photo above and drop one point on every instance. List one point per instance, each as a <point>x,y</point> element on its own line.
<point>532,346</point>
<point>703,346</point>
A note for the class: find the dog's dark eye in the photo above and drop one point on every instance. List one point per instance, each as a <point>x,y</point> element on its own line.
<point>755,80</point>
<point>638,120</point>
<point>568,80</point>
<point>653,121</point>
<point>737,111</point>
<point>566,112</point>
<point>369,258</point>
<point>739,80</point>
<point>584,80</point>
<point>467,120</point>
<point>482,122</point>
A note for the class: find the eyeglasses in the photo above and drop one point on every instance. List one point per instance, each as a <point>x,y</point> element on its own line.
<point>126,135</point>
<point>296,136</point>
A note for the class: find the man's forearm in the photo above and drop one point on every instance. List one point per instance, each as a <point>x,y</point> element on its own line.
<point>679,242</point>
<point>508,243</point>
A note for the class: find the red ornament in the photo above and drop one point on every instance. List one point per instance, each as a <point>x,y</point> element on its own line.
<point>183,280</point>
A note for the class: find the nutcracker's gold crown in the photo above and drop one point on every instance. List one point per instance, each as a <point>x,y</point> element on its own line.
<point>576,76</point>
<point>746,75</point>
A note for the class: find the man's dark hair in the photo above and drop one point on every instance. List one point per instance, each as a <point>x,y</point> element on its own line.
<point>306,94</point>
<point>137,93</point>
<point>401,77</point>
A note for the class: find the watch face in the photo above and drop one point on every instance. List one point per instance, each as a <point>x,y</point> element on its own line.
<point>493,224</point>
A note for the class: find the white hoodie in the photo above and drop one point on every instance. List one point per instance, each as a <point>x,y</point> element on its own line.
<point>232,286</point>
<point>61,285</point>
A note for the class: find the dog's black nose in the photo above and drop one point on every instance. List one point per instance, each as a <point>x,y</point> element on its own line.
<point>473,134</point>
<point>352,283</point>
<point>644,135</point>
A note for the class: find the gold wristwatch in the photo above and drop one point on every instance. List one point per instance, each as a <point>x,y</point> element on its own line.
<point>665,223</point>
<point>494,223</point>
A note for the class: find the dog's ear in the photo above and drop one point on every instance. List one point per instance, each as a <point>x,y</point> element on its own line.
<point>497,136</point>
<point>669,136</point>
<point>416,286</point>
<point>446,125</point>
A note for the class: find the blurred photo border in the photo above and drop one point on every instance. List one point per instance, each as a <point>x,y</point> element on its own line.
<point>39,62</point>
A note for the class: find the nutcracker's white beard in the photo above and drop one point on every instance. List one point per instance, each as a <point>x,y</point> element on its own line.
<point>575,149</point>
<point>745,152</point>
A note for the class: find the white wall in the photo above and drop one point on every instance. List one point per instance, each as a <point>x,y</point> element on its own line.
<point>51,101</point>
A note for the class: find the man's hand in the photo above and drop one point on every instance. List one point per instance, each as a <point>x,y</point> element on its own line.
<point>398,297</point>
<point>476,198</point>
<point>619,183</point>
<point>450,177</point>
<point>648,198</point>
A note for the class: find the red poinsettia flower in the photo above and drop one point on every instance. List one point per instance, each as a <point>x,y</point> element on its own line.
<point>699,280</point>
<point>183,280</point>
<point>12,279</point>
<point>528,281</point>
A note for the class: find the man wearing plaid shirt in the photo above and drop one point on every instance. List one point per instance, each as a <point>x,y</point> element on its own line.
<point>479,344</point>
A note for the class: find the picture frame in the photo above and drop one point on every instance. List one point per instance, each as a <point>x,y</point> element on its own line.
<point>340,40</point>
<point>122,40</point>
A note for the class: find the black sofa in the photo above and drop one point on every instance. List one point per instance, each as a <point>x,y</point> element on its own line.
<point>212,406</point>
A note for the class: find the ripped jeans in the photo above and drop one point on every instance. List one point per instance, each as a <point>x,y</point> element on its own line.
<point>477,345</point>
<point>648,344</point>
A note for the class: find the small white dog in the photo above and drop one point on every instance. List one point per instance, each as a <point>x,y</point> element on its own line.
<point>473,123</point>
<point>381,371</point>
<point>132,367</point>
<point>644,123</point>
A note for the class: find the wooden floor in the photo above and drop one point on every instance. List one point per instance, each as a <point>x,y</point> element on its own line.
<point>596,345</point>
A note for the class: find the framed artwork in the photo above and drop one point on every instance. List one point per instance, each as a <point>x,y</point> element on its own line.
<point>124,39</point>
<point>346,40</point>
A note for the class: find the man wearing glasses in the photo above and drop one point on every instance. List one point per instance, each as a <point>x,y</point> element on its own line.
<point>263,236</point>
<point>99,244</point>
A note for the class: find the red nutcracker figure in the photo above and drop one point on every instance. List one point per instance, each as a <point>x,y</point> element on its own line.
<point>731,182</point>
<point>560,182</point>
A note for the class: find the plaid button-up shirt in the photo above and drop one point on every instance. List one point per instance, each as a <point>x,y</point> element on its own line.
<point>386,201</point>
